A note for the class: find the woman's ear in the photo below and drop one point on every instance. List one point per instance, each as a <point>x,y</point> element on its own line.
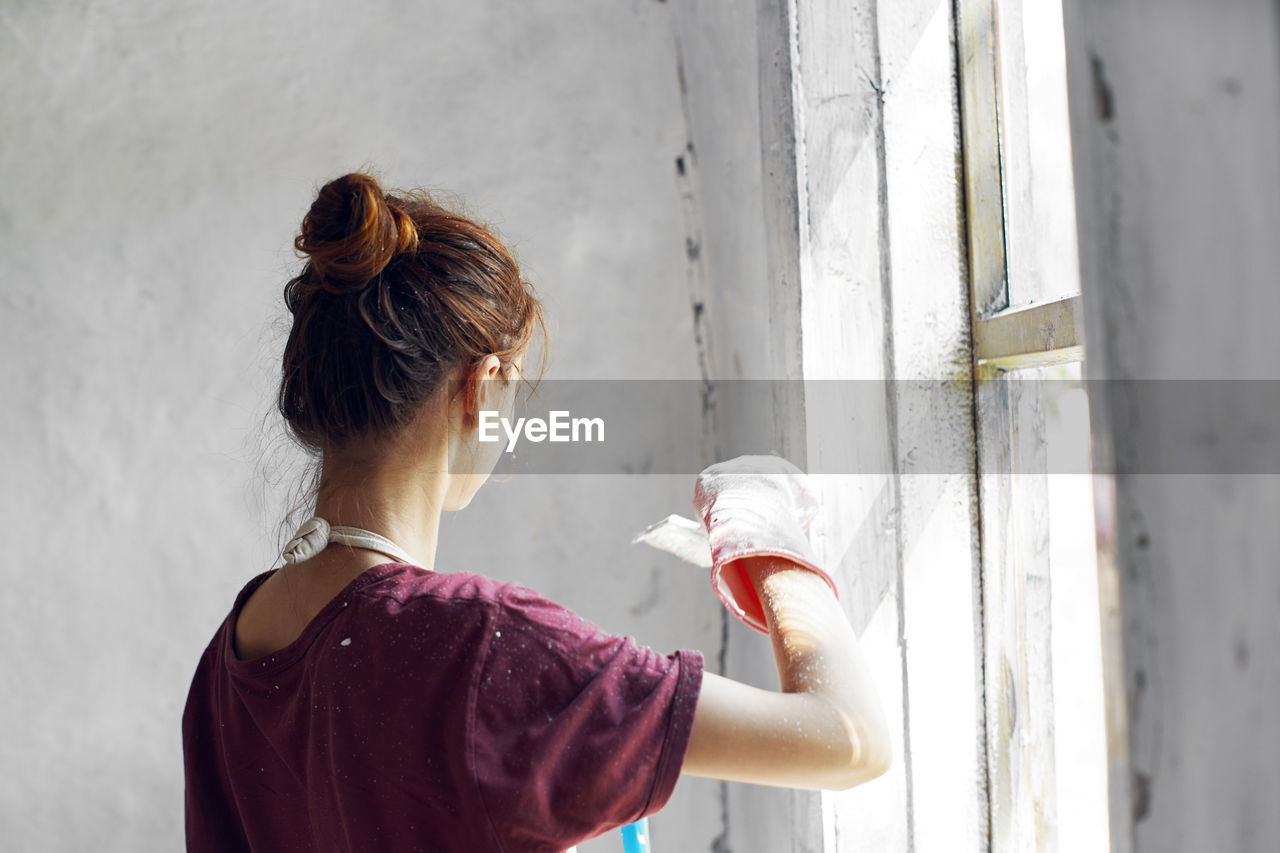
<point>488,370</point>
<point>474,390</point>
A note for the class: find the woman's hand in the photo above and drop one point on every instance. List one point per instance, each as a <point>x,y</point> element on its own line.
<point>755,506</point>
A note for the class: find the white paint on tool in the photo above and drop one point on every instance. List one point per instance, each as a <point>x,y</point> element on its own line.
<point>683,537</point>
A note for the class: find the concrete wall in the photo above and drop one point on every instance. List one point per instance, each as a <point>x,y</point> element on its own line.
<point>1175,112</point>
<point>157,161</point>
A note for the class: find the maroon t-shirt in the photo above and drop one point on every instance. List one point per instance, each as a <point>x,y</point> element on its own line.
<point>433,712</point>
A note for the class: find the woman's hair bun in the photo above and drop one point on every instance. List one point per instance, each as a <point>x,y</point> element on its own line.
<point>352,231</point>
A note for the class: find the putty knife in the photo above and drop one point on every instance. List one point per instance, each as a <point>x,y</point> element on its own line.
<point>680,536</point>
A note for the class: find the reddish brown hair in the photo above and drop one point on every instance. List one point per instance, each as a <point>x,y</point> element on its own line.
<point>395,293</point>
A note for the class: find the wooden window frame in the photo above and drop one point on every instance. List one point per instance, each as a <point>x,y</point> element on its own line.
<point>1013,529</point>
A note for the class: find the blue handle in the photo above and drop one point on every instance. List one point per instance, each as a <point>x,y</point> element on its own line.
<point>635,837</point>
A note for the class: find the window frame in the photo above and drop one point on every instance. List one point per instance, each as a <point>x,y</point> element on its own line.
<point>1013,529</point>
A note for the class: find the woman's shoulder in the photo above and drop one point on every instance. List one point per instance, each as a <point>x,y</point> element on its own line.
<point>406,593</point>
<point>402,587</point>
<point>406,583</point>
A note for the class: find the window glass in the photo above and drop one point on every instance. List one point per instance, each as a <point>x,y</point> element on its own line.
<point>1035,152</point>
<point>1079,721</point>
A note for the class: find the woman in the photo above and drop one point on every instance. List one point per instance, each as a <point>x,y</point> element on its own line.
<point>355,699</point>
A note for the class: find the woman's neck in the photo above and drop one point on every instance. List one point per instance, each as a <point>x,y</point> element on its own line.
<point>400,501</point>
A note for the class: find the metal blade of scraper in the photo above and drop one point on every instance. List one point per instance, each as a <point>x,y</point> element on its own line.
<point>678,535</point>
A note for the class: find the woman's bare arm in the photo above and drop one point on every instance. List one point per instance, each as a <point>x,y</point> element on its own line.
<point>826,729</point>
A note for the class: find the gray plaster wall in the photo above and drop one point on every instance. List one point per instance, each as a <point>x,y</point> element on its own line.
<point>156,161</point>
<point>748,326</point>
<point>1175,112</point>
